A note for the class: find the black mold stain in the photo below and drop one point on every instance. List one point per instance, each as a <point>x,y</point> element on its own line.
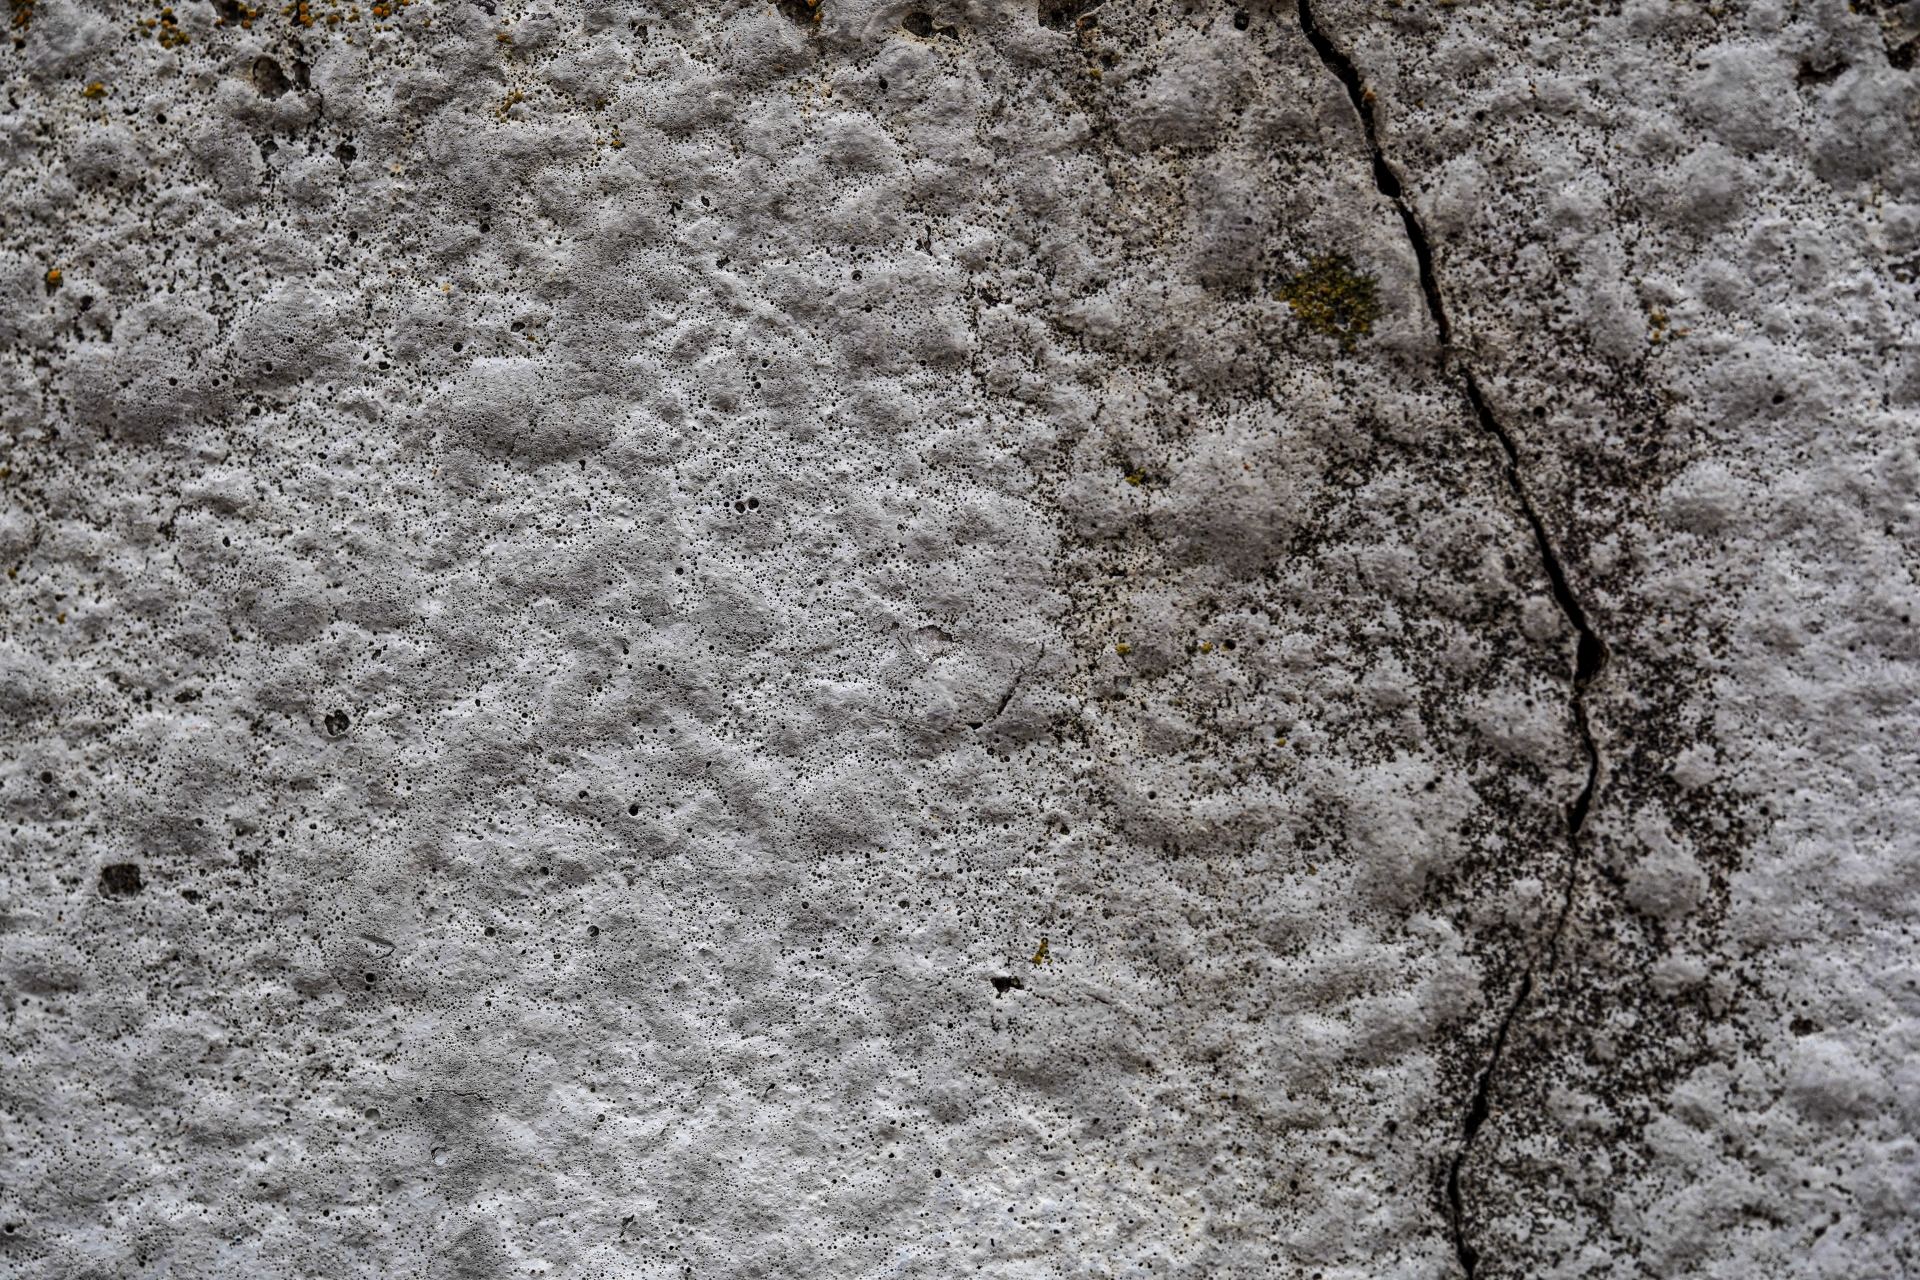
<point>923,25</point>
<point>121,880</point>
<point>801,12</point>
<point>269,81</point>
<point>1063,15</point>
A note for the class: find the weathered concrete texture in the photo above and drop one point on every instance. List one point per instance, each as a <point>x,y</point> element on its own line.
<point>1676,240</point>
<point>745,640</point>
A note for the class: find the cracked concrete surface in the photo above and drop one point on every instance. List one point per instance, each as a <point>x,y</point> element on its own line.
<point>1589,649</point>
<point>753,640</point>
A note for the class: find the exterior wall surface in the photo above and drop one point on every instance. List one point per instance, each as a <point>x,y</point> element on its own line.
<point>949,639</point>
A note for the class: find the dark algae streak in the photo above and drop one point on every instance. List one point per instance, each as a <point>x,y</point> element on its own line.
<point>1590,653</point>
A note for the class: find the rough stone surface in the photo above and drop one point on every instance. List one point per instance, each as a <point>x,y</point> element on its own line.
<point>952,639</point>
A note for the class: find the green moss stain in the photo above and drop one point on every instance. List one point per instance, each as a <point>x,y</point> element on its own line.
<point>1331,297</point>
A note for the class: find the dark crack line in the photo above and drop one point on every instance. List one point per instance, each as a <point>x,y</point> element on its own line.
<point>1590,653</point>
<point>1477,1112</point>
<point>1018,677</point>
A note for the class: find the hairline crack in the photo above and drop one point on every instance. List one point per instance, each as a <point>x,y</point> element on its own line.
<point>1590,651</point>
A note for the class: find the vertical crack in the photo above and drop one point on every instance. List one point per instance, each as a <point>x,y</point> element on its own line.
<point>1590,653</point>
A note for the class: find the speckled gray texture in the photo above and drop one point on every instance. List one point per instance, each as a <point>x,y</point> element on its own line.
<point>649,641</point>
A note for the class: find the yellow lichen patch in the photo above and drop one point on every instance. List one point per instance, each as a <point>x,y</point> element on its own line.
<point>1123,649</point>
<point>1330,297</point>
<point>1041,956</point>
<point>95,90</point>
<point>165,29</point>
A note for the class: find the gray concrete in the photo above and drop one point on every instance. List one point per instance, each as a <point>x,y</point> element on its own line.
<point>714,641</point>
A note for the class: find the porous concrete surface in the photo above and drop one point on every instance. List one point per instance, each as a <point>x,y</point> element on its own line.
<point>759,641</point>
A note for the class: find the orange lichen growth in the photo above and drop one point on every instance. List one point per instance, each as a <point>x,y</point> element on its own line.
<point>165,29</point>
<point>54,279</point>
<point>22,13</point>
